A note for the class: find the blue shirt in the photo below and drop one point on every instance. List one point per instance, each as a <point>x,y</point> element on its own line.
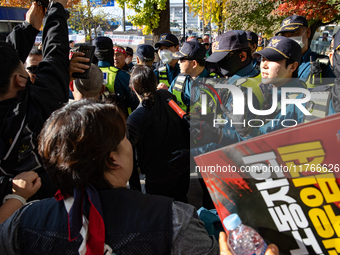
<point>187,87</point>
<point>172,73</point>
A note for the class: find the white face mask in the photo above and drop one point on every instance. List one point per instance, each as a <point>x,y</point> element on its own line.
<point>166,56</point>
<point>298,39</point>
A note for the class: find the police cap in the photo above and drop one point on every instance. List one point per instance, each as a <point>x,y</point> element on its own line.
<point>167,40</point>
<point>292,23</point>
<point>145,52</point>
<point>279,48</point>
<point>228,42</point>
<point>190,50</point>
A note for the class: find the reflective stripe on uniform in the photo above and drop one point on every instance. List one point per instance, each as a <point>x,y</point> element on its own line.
<point>109,77</point>
<point>178,89</point>
<point>163,76</point>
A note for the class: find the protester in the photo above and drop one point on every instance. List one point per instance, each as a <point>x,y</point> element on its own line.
<point>118,220</point>
<point>119,58</point>
<point>167,69</point>
<point>32,61</point>
<point>24,186</point>
<point>155,131</point>
<point>25,106</point>
<point>90,88</point>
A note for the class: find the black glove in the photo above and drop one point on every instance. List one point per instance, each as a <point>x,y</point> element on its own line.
<point>180,161</point>
<point>203,133</point>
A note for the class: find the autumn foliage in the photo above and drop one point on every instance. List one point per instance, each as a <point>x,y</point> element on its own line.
<point>27,4</point>
<point>312,9</point>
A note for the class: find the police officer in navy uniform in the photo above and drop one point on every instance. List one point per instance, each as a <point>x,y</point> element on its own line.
<point>253,41</point>
<point>145,55</point>
<point>232,56</point>
<point>279,68</point>
<point>296,27</point>
<point>327,93</point>
<point>167,69</point>
<point>192,64</point>
<point>115,80</point>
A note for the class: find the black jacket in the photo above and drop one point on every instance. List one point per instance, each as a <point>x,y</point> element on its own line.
<point>155,133</point>
<point>22,118</point>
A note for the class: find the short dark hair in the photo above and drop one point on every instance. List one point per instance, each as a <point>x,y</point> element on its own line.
<point>92,86</point>
<point>296,72</point>
<point>145,62</point>
<point>76,141</point>
<point>10,61</point>
<point>144,81</point>
<point>200,62</point>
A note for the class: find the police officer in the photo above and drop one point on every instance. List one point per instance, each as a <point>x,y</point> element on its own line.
<point>168,69</point>
<point>296,27</point>
<point>325,100</point>
<point>253,41</point>
<point>279,69</point>
<point>145,54</point>
<point>115,80</point>
<point>232,56</point>
<point>192,65</point>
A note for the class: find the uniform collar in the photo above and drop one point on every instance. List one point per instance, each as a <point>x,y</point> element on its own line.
<point>103,64</point>
<point>244,71</point>
<point>204,74</point>
<point>306,56</point>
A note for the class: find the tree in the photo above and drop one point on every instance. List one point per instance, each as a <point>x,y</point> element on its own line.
<point>214,11</point>
<point>88,17</point>
<point>27,3</point>
<point>317,12</point>
<point>253,16</point>
<point>153,15</point>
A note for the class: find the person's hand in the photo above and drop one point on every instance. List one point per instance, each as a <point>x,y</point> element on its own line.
<point>26,184</point>
<point>35,15</point>
<point>224,249</point>
<point>75,64</point>
<point>162,86</point>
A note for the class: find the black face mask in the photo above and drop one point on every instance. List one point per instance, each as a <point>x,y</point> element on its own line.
<point>230,65</point>
<point>336,65</point>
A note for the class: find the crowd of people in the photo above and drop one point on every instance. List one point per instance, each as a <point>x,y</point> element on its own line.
<point>75,144</point>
